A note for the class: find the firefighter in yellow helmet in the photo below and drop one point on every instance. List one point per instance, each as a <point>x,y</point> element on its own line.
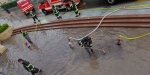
<point>25,35</point>
<point>33,16</point>
<point>56,12</point>
<point>75,8</point>
<point>29,67</point>
<point>86,42</point>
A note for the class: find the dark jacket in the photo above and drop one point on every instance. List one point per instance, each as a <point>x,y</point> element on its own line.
<point>85,42</point>
<point>24,33</point>
<point>6,10</point>
<point>32,14</point>
<point>28,66</point>
<point>55,10</point>
<point>74,7</point>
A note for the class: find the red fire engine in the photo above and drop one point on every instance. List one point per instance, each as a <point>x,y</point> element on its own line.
<point>25,6</point>
<point>46,5</point>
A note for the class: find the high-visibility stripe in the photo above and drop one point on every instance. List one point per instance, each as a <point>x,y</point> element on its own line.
<point>32,14</point>
<point>55,11</point>
<point>30,5</point>
<point>29,66</point>
<point>56,1</point>
<point>81,44</point>
<point>48,8</point>
<point>90,44</point>
<point>76,8</point>
<point>26,8</point>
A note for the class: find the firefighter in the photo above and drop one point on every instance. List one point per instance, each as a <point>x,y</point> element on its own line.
<point>86,42</point>
<point>75,8</point>
<point>56,12</point>
<point>7,11</point>
<point>26,36</point>
<point>29,67</point>
<point>33,16</point>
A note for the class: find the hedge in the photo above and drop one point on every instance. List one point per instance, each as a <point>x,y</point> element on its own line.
<point>9,4</point>
<point>3,27</point>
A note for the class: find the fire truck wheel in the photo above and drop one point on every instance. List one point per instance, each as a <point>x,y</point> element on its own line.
<point>27,15</point>
<point>45,12</point>
<point>111,2</point>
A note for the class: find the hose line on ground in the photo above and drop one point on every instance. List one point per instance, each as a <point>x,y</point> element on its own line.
<point>97,26</point>
<point>104,18</point>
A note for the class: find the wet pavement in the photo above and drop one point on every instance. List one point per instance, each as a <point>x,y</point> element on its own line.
<point>52,54</point>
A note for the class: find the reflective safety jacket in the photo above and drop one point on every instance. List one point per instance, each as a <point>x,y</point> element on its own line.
<point>85,42</point>
<point>55,10</point>
<point>31,13</point>
<point>74,7</point>
<point>28,66</point>
<point>24,33</point>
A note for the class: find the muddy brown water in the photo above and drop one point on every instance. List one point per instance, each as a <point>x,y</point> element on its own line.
<point>52,54</point>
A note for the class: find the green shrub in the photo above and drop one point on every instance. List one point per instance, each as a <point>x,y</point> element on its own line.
<point>3,27</point>
<point>9,4</point>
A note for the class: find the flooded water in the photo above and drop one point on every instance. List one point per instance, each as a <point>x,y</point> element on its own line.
<point>53,55</point>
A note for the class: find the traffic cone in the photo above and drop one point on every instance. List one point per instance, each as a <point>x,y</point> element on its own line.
<point>70,44</point>
<point>119,41</point>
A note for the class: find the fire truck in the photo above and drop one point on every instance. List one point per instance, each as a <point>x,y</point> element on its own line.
<point>25,6</point>
<point>46,5</point>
